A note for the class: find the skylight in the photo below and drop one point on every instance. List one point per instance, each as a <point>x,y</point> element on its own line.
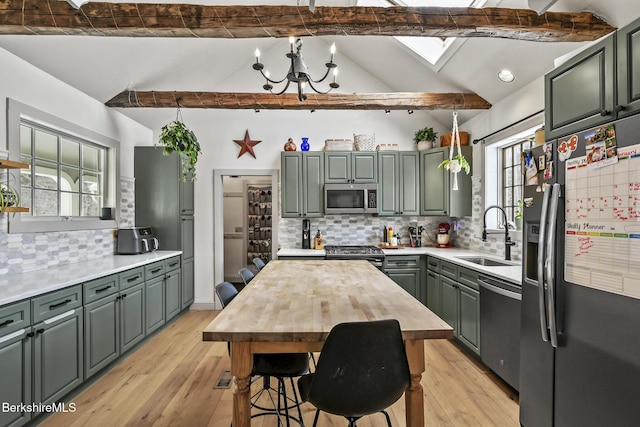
<point>429,48</point>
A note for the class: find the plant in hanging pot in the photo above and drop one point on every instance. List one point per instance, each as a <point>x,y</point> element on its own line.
<point>9,196</point>
<point>425,138</point>
<point>456,164</point>
<point>177,137</point>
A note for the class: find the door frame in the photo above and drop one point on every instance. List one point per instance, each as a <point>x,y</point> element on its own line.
<point>218,217</point>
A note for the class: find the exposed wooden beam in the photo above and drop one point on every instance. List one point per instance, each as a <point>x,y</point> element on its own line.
<point>54,17</point>
<point>268,101</point>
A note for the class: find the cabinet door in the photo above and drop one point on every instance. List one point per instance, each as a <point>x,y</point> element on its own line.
<point>58,356</point>
<point>434,182</point>
<point>469,326</point>
<point>186,198</point>
<point>313,184</point>
<point>408,279</point>
<point>131,317</point>
<point>15,371</point>
<point>291,183</point>
<point>337,167</point>
<point>628,39</point>
<point>186,236</point>
<point>173,290</point>
<point>408,185</point>
<point>154,307</point>
<point>101,334</point>
<point>450,303</point>
<point>580,93</point>
<point>187,282</point>
<point>364,167</point>
<point>434,293</point>
<point>388,198</point>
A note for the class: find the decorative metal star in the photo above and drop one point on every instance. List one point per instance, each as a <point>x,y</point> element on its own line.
<point>247,144</point>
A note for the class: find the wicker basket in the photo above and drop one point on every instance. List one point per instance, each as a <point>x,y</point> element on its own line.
<point>338,145</point>
<point>365,142</point>
<point>445,140</point>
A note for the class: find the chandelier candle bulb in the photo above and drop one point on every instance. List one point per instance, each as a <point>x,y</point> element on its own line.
<point>333,51</point>
<point>291,42</point>
<point>335,75</point>
<point>257,56</point>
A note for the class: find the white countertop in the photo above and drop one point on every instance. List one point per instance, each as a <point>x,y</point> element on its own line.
<point>512,273</point>
<point>22,286</point>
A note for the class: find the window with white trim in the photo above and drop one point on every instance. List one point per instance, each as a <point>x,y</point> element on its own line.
<point>73,172</point>
<point>512,178</point>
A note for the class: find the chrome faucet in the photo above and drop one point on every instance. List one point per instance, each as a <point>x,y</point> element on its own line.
<point>507,240</point>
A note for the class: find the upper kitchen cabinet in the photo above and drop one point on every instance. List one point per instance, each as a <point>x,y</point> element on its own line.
<point>351,167</point>
<point>398,175</point>
<point>438,197</point>
<point>581,92</point>
<point>302,181</point>
<point>628,61</point>
<point>165,203</point>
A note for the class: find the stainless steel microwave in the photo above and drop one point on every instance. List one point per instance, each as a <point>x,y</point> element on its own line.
<point>350,199</point>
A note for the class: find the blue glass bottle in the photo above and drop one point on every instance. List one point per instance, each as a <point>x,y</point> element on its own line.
<point>305,144</point>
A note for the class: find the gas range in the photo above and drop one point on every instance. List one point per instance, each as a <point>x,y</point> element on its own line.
<point>371,253</point>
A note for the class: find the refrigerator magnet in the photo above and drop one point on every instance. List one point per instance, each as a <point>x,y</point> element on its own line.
<point>567,147</point>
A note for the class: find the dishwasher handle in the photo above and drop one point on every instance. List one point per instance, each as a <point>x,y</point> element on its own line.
<point>492,285</point>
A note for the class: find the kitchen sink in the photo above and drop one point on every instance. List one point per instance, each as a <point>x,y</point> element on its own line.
<point>487,262</point>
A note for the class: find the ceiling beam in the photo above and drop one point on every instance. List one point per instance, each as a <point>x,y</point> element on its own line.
<point>268,101</point>
<point>54,17</point>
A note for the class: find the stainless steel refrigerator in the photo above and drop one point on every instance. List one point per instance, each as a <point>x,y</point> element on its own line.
<point>580,325</point>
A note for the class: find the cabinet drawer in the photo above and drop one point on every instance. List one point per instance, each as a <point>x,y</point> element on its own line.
<point>58,302</point>
<point>402,261</point>
<point>449,269</point>
<point>154,270</point>
<point>172,263</point>
<point>433,263</point>
<point>131,277</point>
<point>468,277</point>
<point>100,288</point>
<point>14,317</point>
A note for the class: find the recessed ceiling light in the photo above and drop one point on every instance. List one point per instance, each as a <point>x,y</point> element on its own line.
<point>506,76</point>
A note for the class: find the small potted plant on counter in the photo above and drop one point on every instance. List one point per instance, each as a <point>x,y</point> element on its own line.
<point>425,138</point>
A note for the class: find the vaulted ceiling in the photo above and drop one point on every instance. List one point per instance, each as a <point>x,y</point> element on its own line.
<point>104,66</point>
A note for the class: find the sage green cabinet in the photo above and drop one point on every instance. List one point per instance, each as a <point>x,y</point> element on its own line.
<point>351,167</point>
<point>132,316</point>
<point>398,183</point>
<point>450,310</point>
<point>469,317</point>
<point>628,68</point>
<point>187,279</point>
<point>58,356</point>
<point>166,203</point>
<point>154,304</point>
<point>101,333</point>
<point>406,271</point>
<point>434,292</point>
<point>436,185</point>
<point>581,92</point>
<point>302,184</point>
<point>15,360</point>
<point>173,290</point>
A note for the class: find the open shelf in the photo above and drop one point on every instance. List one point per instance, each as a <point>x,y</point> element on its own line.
<point>14,209</point>
<point>10,164</point>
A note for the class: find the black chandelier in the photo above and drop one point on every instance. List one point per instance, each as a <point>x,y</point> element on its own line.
<point>298,72</point>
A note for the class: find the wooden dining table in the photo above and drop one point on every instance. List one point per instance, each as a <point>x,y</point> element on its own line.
<point>290,306</point>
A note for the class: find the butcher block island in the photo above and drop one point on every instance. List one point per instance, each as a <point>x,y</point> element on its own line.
<point>291,306</point>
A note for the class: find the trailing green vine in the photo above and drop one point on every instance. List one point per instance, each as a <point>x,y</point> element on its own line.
<point>177,137</point>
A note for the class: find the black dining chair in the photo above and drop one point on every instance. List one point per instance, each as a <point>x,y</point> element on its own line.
<point>277,365</point>
<point>246,275</point>
<point>362,369</point>
<point>259,263</point>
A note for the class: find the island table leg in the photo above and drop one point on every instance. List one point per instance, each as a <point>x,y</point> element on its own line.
<point>414,399</point>
<point>241,366</point>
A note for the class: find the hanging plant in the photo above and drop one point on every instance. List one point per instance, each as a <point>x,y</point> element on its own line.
<point>177,137</point>
<point>455,163</point>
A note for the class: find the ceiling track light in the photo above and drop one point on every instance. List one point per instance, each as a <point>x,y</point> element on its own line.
<point>298,73</point>
<point>387,111</point>
<point>410,111</point>
<point>257,110</point>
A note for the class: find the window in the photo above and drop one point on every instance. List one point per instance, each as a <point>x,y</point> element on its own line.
<point>512,178</point>
<point>66,176</point>
<point>73,172</point>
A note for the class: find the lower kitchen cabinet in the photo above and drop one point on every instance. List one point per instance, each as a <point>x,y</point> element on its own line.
<point>187,282</point>
<point>173,290</point>
<point>453,294</point>
<point>132,318</point>
<point>58,356</point>
<point>154,302</point>
<point>101,334</point>
<point>406,271</point>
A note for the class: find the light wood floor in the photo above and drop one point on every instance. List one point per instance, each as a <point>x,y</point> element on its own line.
<point>169,381</point>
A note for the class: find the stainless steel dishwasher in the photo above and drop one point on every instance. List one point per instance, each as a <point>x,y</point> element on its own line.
<point>500,327</point>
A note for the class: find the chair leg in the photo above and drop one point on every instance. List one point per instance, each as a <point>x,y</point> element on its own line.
<point>315,419</point>
<point>387,416</point>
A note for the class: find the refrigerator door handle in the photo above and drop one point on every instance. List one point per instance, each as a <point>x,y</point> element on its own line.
<point>550,264</point>
<point>540,264</point>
